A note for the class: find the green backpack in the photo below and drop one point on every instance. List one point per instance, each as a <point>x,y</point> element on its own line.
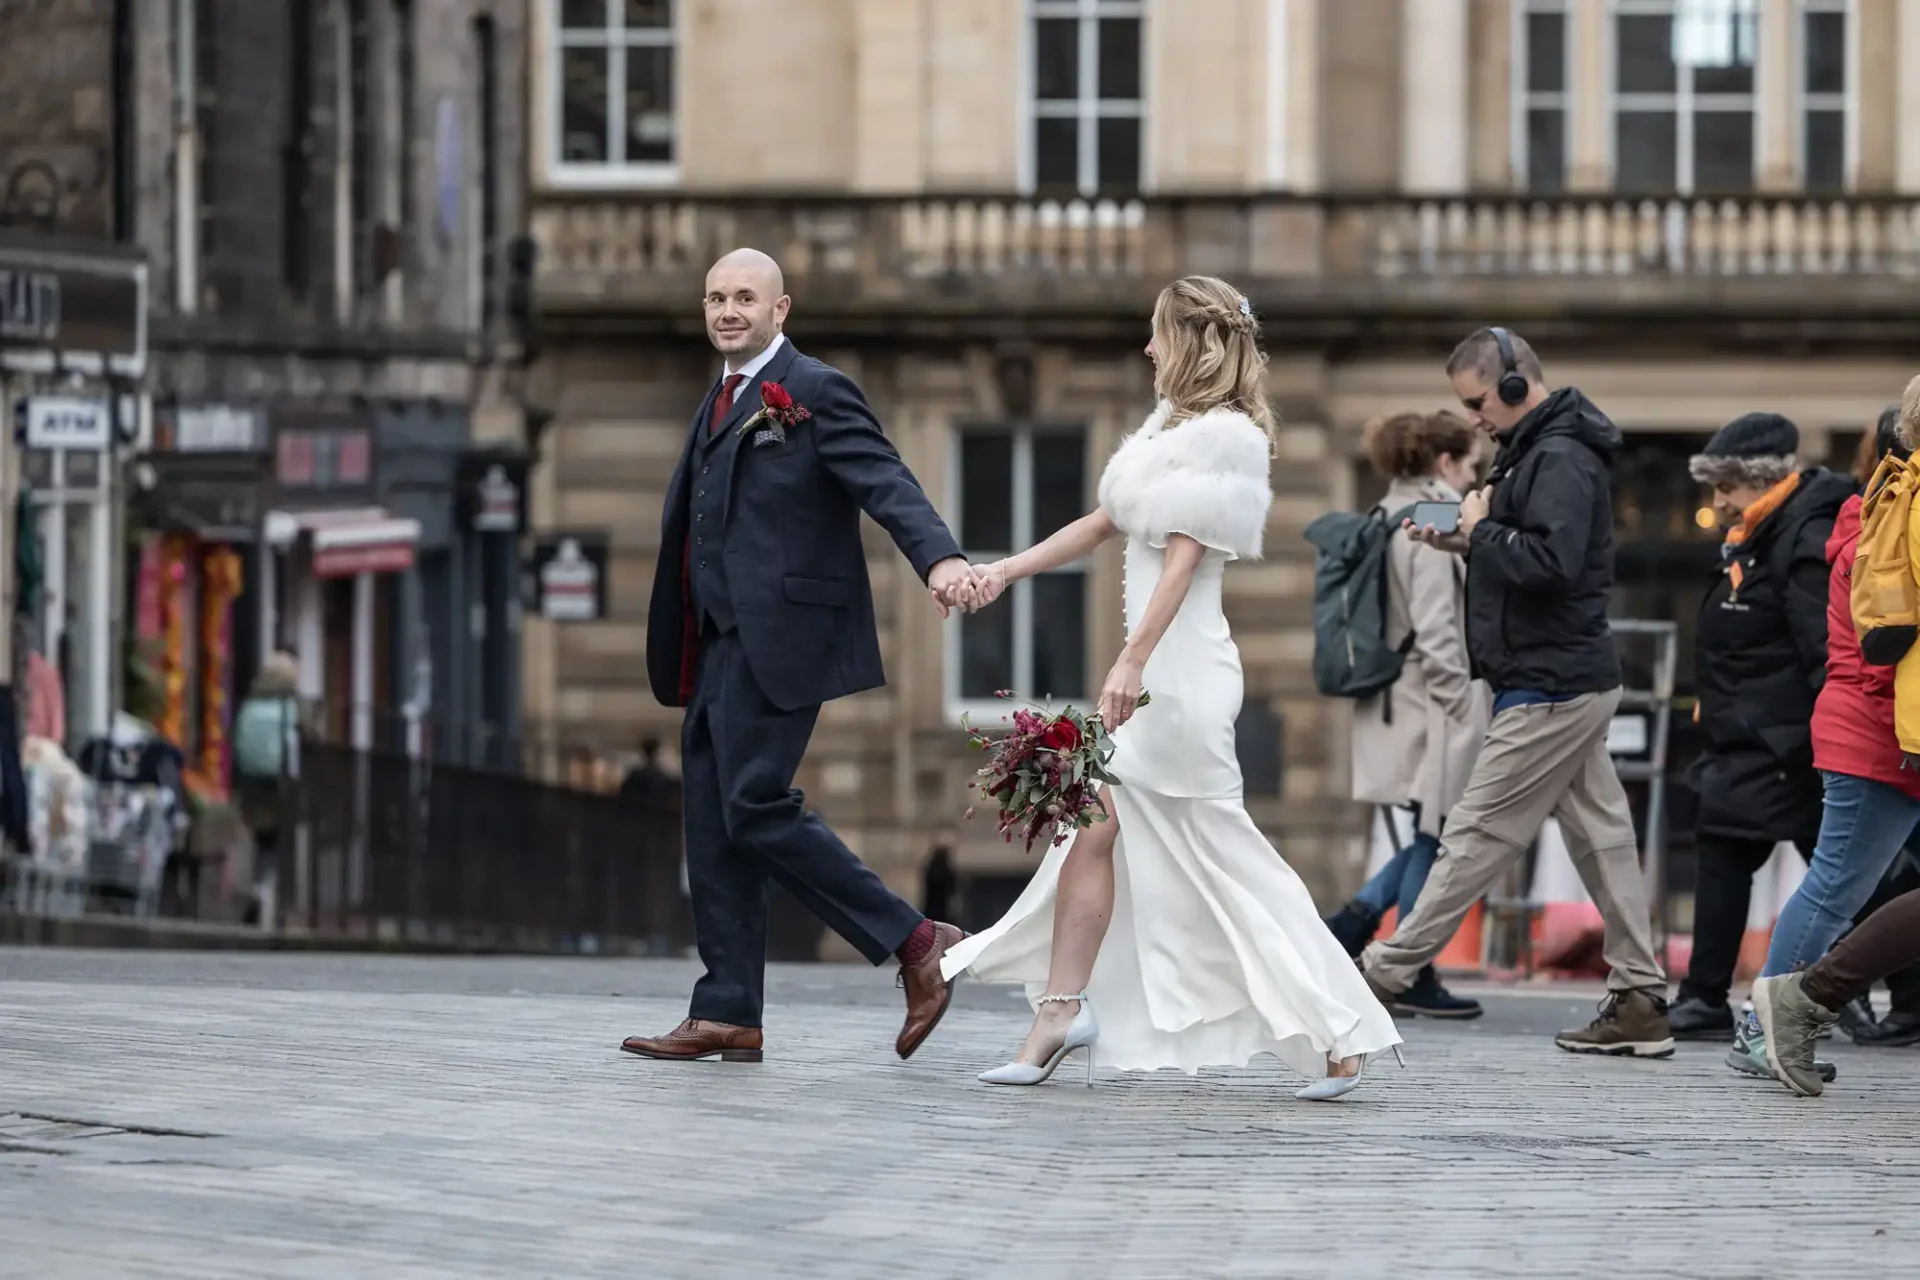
<point>260,736</point>
<point>1351,656</point>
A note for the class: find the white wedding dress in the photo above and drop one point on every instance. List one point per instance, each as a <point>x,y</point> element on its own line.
<point>1215,952</point>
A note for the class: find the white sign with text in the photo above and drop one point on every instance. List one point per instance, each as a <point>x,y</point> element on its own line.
<point>68,422</point>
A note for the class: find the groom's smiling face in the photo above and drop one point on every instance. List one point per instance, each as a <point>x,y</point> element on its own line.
<point>746,304</point>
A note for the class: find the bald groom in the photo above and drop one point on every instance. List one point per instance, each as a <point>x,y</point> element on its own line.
<point>762,612</point>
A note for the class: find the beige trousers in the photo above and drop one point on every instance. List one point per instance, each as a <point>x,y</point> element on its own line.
<point>1542,760</point>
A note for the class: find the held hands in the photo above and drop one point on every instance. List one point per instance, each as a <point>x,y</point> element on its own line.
<point>955,584</point>
<point>947,583</point>
<point>989,583</point>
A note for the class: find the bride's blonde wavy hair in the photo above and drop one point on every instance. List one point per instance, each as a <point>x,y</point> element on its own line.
<point>1208,343</point>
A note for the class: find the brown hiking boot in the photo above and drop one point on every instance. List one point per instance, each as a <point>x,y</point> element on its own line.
<point>1632,1024</point>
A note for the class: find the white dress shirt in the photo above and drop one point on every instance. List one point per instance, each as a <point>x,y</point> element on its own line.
<point>752,367</point>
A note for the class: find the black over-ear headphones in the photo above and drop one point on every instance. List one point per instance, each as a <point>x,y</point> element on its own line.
<point>1512,388</point>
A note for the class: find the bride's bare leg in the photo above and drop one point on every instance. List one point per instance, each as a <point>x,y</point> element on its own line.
<point>1337,1067</point>
<point>1082,907</point>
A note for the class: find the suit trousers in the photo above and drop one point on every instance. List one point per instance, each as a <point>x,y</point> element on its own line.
<point>745,821</point>
<point>1538,760</point>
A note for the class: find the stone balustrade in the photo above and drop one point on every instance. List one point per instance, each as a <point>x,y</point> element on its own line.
<point>903,254</point>
<point>1733,237</point>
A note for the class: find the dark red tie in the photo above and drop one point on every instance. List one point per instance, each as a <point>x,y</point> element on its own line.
<point>723,403</point>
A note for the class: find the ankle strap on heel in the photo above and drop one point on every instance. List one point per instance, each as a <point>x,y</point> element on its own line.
<point>1060,999</point>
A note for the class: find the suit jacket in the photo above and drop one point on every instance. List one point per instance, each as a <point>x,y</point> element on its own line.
<point>790,539</point>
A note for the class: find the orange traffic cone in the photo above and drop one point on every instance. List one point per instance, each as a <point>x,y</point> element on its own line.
<point>1467,951</point>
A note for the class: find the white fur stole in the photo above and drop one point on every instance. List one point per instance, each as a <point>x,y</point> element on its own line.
<point>1205,477</point>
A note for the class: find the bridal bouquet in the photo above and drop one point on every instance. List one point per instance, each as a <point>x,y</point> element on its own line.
<point>1044,775</point>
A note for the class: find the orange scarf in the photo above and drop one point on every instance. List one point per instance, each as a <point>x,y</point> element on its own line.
<point>1762,507</point>
<point>1756,513</point>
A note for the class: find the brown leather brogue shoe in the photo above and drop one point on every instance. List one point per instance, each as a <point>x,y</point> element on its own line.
<point>695,1039</point>
<point>928,994</point>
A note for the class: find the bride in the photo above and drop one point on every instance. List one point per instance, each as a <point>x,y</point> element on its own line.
<point>1170,933</point>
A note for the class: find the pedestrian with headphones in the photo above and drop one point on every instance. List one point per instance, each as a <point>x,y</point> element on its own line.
<point>1538,542</point>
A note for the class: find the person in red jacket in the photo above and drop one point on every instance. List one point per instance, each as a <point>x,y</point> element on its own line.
<point>1853,716</point>
<point>1854,736</point>
<point>1852,725</point>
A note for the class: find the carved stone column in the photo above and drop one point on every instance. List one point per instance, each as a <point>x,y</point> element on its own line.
<point>1589,103</point>
<point>1435,57</point>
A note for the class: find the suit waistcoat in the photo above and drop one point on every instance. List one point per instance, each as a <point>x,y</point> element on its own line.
<point>706,520</point>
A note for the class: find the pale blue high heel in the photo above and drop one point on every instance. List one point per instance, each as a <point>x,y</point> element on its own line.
<point>1332,1087</point>
<point>1081,1033</point>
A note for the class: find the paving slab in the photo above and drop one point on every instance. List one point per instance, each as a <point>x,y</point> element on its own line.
<point>255,1115</point>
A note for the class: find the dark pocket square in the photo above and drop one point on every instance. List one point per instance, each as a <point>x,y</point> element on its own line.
<point>768,435</point>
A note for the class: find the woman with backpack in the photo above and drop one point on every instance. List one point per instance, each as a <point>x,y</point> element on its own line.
<point>1866,727</point>
<point>1414,742</point>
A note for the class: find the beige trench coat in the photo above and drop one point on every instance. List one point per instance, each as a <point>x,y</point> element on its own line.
<point>1440,712</point>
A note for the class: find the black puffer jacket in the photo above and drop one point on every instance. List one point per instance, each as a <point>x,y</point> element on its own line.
<point>1540,566</point>
<point>1760,659</point>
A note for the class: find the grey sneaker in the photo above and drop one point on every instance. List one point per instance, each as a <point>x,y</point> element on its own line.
<point>1749,1053</point>
<point>1790,1022</point>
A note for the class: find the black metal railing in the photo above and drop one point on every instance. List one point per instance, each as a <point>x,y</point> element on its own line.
<point>404,849</point>
<point>561,754</point>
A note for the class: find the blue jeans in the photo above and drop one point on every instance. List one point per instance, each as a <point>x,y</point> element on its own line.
<point>1399,882</point>
<point>1863,826</point>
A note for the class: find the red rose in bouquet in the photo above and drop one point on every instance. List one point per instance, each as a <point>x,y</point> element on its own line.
<point>1061,735</point>
<point>1046,774</point>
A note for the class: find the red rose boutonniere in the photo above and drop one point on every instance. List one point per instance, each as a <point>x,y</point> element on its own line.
<point>777,411</point>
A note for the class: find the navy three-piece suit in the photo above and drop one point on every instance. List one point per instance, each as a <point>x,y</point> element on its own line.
<point>761,612</point>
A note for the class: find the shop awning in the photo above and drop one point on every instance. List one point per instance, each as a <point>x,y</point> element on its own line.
<point>348,542</point>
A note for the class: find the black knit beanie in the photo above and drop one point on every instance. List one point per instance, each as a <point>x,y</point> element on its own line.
<point>1755,449</point>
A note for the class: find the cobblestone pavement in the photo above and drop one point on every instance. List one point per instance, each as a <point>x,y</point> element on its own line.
<point>318,1116</point>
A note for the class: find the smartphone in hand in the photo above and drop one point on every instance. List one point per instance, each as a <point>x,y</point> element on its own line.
<point>1442,517</point>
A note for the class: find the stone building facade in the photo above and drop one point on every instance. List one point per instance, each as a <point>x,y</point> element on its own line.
<point>1692,209</point>
<point>325,194</point>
